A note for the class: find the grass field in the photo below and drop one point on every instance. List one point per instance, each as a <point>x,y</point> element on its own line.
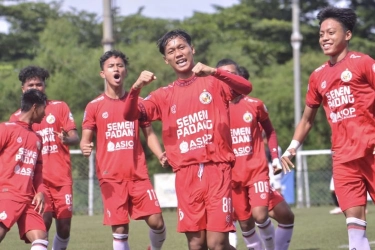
<point>314,229</point>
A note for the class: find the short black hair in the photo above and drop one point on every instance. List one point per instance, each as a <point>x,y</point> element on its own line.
<point>31,97</point>
<point>163,41</point>
<point>225,62</point>
<point>345,16</point>
<point>31,72</point>
<point>110,54</point>
<point>243,72</point>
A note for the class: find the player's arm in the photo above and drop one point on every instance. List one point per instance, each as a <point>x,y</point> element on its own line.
<point>154,145</point>
<point>299,136</point>
<point>235,82</point>
<point>68,138</point>
<point>86,143</point>
<point>131,111</point>
<point>272,144</point>
<point>38,199</point>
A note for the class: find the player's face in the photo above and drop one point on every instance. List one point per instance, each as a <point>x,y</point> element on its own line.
<point>39,113</point>
<point>333,38</point>
<point>34,83</point>
<point>114,71</point>
<point>179,54</point>
<point>230,68</point>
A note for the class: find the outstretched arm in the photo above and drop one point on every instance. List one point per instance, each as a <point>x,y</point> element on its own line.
<point>299,136</point>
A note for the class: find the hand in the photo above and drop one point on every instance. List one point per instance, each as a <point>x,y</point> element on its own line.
<point>87,149</point>
<point>144,78</point>
<point>63,135</point>
<point>285,159</point>
<point>38,201</point>
<point>202,70</point>
<point>164,160</point>
<point>277,168</point>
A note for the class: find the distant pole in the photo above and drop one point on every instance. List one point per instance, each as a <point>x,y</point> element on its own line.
<point>107,26</point>
<point>296,40</point>
<point>108,40</point>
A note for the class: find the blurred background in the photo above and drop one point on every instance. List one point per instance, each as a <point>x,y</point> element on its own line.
<point>68,37</point>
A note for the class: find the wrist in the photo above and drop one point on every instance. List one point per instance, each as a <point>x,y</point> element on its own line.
<point>294,144</point>
<point>214,71</point>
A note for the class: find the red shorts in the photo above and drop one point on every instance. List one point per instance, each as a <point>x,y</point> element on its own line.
<point>352,181</point>
<point>242,202</point>
<point>24,214</point>
<point>59,201</point>
<point>204,198</point>
<point>136,199</point>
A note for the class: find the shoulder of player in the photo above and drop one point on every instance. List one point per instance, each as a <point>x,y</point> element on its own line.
<point>252,100</point>
<point>98,99</point>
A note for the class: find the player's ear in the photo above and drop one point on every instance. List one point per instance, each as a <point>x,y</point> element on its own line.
<point>165,60</point>
<point>348,35</point>
<point>102,74</point>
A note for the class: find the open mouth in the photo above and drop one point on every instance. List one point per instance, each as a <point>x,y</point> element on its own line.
<point>117,76</point>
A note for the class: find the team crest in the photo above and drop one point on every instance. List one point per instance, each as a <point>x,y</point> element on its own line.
<point>19,139</point>
<point>3,215</point>
<point>105,115</point>
<point>50,119</point>
<point>323,85</point>
<point>184,147</point>
<point>247,117</point>
<point>346,76</point>
<point>205,97</point>
<point>173,109</point>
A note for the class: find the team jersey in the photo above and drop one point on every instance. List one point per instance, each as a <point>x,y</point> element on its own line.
<point>56,157</point>
<point>195,119</point>
<point>248,145</point>
<point>346,90</point>
<point>20,162</point>
<point>119,154</point>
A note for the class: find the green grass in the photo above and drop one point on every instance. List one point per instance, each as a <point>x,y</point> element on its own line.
<point>314,229</point>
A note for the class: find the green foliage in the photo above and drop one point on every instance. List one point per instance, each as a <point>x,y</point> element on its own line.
<point>255,33</point>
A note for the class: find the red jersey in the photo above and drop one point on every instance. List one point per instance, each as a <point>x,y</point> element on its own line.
<point>56,157</point>
<point>246,134</point>
<point>346,90</point>
<point>119,154</point>
<point>195,119</point>
<point>20,162</point>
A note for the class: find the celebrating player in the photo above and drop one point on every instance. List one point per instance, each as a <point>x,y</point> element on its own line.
<point>21,180</point>
<point>345,86</point>
<point>120,160</point>
<point>196,135</point>
<point>58,132</point>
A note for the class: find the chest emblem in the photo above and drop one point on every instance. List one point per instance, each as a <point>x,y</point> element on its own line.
<point>205,97</point>
<point>247,117</point>
<point>346,76</point>
<point>105,115</point>
<point>50,119</point>
<point>323,85</point>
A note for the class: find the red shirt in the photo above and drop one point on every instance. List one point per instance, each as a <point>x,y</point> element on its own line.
<point>56,157</point>
<point>247,140</point>
<point>195,119</point>
<point>346,90</point>
<point>119,154</point>
<point>20,162</point>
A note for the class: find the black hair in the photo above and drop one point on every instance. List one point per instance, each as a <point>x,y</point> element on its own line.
<point>163,41</point>
<point>226,61</point>
<point>345,16</point>
<point>31,72</point>
<point>31,97</point>
<point>243,72</point>
<point>110,54</point>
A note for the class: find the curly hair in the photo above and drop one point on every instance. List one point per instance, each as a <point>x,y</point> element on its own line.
<point>31,72</point>
<point>345,16</point>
